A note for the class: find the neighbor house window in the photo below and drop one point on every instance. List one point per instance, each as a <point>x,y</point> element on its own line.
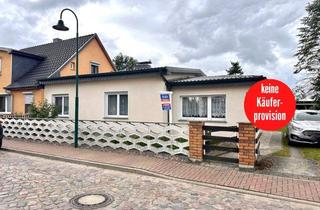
<point>62,104</point>
<point>94,68</point>
<point>116,104</point>
<point>5,103</point>
<point>205,107</point>
<point>28,100</point>
<point>72,66</point>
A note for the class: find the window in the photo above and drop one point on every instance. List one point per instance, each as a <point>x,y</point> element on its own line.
<point>94,68</point>
<point>62,104</point>
<point>116,104</point>
<point>199,106</point>
<point>218,106</point>
<point>28,100</point>
<point>195,107</point>
<point>5,103</point>
<point>72,66</point>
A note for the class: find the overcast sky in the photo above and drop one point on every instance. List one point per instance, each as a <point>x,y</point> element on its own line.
<point>260,34</point>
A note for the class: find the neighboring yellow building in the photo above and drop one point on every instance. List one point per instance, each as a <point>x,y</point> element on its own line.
<point>20,70</point>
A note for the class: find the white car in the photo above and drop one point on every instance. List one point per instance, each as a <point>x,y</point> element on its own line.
<point>305,127</point>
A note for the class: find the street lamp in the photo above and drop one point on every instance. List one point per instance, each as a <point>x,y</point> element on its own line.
<point>61,27</point>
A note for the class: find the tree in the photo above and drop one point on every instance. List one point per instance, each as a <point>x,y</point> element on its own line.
<point>300,93</point>
<point>308,52</point>
<point>124,62</point>
<point>235,68</point>
<point>43,110</point>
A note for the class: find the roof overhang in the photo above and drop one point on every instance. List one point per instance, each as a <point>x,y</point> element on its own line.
<point>216,82</point>
<point>29,55</point>
<point>5,49</point>
<point>104,76</point>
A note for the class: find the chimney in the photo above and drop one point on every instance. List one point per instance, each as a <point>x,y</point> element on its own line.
<point>143,65</point>
<point>57,40</point>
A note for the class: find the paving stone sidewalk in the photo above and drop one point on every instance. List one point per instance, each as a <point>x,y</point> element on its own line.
<point>224,176</point>
<point>33,183</point>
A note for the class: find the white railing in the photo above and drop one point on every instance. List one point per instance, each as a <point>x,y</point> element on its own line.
<point>154,137</point>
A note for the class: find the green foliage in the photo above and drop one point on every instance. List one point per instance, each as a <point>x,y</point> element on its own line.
<point>235,68</point>
<point>43,110</point>
<point>124,62</point>
<point>300,92</point>
<point>309,49</point>
<point>316,88</point>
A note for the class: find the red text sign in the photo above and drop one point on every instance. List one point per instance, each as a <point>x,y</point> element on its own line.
<point>270,104</point>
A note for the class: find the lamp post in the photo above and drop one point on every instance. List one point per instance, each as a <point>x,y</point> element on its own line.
<point>61,27</point>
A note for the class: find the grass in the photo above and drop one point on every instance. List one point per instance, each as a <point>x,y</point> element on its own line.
<point>310,153</point>
<point>285,151</point>
<point>306,152</point>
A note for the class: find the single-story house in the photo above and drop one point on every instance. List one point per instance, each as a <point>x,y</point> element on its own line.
<point>135,95</point>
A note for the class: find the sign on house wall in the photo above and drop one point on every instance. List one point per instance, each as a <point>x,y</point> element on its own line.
<point>165,98</point>
<point>166,103</point>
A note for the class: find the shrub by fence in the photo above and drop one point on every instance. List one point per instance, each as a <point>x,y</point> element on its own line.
<point>154,137</point>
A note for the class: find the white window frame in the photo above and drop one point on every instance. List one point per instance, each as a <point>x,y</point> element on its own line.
<point>25,94</point>
<point>72,66</point>
<point>62,108</point>
<point>106,94</point>
<point>0,65</point>
<point>6,104</point>
<point>92,63</point>
<point>209,106</point>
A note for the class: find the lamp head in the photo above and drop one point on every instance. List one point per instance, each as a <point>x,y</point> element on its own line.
<point>60,26</point>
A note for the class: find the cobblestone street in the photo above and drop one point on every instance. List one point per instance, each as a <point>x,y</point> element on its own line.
<point>34,183</point>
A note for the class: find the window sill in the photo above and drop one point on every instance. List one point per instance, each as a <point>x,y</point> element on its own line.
<point>63,116</point>
<point>116,117</point>
<point>223,120</point>
<point>5,113</point>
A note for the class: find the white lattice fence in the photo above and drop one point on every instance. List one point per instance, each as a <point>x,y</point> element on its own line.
<point>154,137</point>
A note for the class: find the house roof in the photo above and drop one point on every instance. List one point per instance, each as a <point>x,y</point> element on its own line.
<point>219,79</point>
<point>198,80</point>
<point>55,56</point>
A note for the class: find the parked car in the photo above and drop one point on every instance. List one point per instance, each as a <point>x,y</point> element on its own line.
<point>305,127</point>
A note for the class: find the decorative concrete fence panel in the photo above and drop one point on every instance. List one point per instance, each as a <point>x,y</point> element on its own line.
<point>154,137</point>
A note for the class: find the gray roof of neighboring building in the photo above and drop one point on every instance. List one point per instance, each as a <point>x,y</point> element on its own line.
<point>55,56</point>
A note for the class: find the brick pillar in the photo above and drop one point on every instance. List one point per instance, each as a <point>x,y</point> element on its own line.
<point>247,142</point>
<point>195,141</point>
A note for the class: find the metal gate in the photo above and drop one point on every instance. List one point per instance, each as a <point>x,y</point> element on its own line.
<point>215,146</point>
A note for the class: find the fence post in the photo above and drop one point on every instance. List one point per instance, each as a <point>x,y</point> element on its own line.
<point>247,157</point>
<point>195,141</point>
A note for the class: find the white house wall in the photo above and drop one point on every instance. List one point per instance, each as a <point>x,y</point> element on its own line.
<point>143,98</point>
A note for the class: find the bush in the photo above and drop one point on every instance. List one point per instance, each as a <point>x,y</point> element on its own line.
<point>43,110</point>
